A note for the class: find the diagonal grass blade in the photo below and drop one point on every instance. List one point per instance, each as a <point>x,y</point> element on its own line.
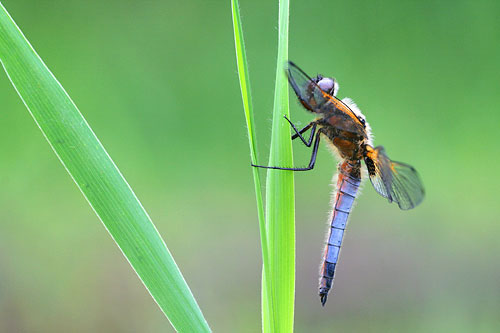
<point>98,178</point>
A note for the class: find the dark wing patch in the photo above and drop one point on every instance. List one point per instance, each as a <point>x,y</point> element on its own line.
<point>396,181</point>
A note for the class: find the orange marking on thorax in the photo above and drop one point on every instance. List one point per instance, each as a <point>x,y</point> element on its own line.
<point>341,106</point>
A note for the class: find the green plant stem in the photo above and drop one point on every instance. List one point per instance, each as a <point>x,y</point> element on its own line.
<point>267,300</point>
<point>280,209</point>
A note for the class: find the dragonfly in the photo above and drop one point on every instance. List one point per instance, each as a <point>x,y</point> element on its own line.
<point>344,127</point>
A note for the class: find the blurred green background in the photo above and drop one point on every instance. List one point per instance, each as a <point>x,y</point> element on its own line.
<point>157,82</point>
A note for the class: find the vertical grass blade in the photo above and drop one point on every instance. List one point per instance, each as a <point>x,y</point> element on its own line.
<point>278,234</point>
<point>280,210</point>
<point>249,117</point>
<point>98,178</point>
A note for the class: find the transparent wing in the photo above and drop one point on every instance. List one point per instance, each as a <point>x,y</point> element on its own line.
<point>316,100</point>
<point>306,89</point>
<point>396,181</point>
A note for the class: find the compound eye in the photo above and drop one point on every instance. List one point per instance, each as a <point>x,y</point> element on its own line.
<point>326,84</point>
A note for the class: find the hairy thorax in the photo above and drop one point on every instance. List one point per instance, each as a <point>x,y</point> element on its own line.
<point>348,143</point>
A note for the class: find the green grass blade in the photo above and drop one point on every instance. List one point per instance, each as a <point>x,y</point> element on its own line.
<point>280,210</point>
<point>98,178</point>
<point>241,61</point>
<point>278,237</point>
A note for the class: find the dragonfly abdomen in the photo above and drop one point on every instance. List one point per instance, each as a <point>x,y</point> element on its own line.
<point>347,187</point>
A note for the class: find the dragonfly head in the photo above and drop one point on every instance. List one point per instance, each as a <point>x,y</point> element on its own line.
<point>312,92</point>
<point>327,84</point>
<point>311,97</point>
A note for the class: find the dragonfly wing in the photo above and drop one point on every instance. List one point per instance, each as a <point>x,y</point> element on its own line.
<point>396,181</point>
<point>306,89</point>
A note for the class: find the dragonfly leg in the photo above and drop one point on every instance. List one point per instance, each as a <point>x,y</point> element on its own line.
<point>311,162</point>
<point>298,133</point>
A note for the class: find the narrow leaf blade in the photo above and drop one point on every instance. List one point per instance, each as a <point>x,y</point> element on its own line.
<point>267,298</point>
<point>280,205</point>
<point>98,178</point>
